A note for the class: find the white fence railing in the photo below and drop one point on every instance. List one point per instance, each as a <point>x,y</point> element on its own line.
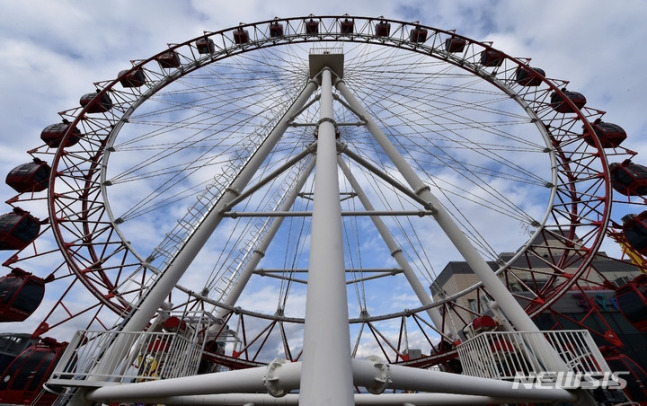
<point>508,354</point>
<point>145,356</point>
<point>151,356</point>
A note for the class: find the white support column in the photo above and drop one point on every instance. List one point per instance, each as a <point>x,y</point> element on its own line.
<point>326,377</point>
<point>249,385</point>
<point>508,304</point>
<point>396,252</point>
<point>400,377</point>
<point>259,379</point>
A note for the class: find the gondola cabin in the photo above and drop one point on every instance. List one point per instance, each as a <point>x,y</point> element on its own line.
<point>53,134</point>
<point>22,381</point>
<point>20,295</point>
<point>96,102</point>
<point>634,229</point>
<point>276,29</point>
<point>631,299</point>
<point>241,36</point>
<point>168,59</point>
<point>312,27</point>
<point>610,135</point>
<point>636,378</point>
<point>174,325</point>
<point>18,229</point>
<point>527,76</point>
<point>418,35</point>
<point>382,29</point>
<point>483,323</point>
<point>12,345</point>
<point>205,46</point>
<point>346,26</point>
<point>629,178</point>
<point>132,78</point>
<point>491,57</point>
<point>30,177</point>
<point>558,103</point>
<point>455,44</point>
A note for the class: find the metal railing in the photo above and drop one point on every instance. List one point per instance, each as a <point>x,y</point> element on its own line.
<point>146,356</point>
<point>152,356</point>
<point>506,355</point>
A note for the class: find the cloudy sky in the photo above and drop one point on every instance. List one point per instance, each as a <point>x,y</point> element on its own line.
<point>51,52</point>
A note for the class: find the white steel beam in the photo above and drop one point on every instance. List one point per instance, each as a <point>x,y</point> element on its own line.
<point>280,378</point>
<point>251,380</point>
<point>361,399</point>
<point>326,377</point>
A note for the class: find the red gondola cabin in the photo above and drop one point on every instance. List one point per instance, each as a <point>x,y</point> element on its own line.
<point>527,76</point>
<point>634,228</point>
<point>276,29</point>
<point>455,44</point>
<point>558,103</point>
<point>174,324</point>
<point>312,27</point>
<point>133,78</point>
<point>491,57</point>
<point>632,301</point>
<point>96,103</point>
<point>610,135</point>
<point>346,26</point>
<point>205,45</point>
<point>30,177</point>
<point>383,29</point>
<point>629,178</point>
<point>418,35</point>
<point>53,134</point>
<point>241,36</point>
<point>168,59</point>
<point>18,229</point>
<point>636,378</point>
<point>22,381</point>
<point>20,295</point>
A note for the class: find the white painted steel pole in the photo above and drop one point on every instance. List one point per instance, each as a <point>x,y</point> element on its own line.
<point>361,399</point>
<point>239,381</point>
<point>326,377</point>
<point>246,385</point>
<point>367,374</point>
<point>396,252</point>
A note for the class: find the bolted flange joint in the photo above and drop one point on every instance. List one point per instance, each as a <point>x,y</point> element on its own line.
<point>382,376</point>
<point>271,379</point>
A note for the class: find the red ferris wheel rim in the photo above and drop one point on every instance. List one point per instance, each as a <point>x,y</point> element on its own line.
<point>83,248</point>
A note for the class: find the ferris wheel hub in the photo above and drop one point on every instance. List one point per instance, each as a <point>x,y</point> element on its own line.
<point>331,58</point>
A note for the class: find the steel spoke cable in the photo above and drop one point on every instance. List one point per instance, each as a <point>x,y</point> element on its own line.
<point>499,159</point>
<point>174,180</point>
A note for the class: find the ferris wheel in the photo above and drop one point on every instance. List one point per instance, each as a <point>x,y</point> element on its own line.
<point>201,162</point>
